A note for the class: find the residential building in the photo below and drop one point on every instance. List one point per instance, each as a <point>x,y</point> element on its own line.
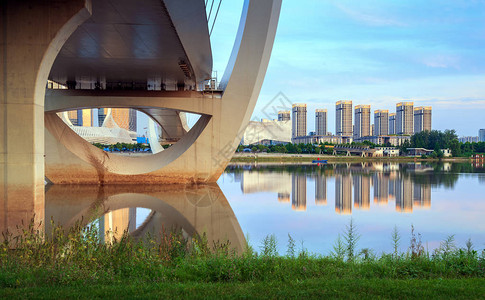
<point>362,121</point>
<point>481,135</point>
<point>344,118</point>
<point>392,123</point>
<point>298,120</point>
<point>422,119</point>
<point>321,122</point>
<point>405,118</point>
<point>469,139</point>
<point>381,122</point>
<point>284,115</point>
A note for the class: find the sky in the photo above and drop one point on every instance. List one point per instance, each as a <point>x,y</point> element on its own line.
<point>372,52</point>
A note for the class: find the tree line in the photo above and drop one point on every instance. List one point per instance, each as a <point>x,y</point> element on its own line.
<point>432,140</point>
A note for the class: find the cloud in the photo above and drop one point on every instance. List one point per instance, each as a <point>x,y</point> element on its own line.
<point>367,18</point>
<point>442,61</point>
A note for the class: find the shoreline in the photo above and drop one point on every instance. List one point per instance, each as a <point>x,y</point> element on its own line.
<point>242,158</point>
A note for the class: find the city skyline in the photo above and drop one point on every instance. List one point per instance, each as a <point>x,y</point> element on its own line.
<point>376,53</point>
<point>356,121</point>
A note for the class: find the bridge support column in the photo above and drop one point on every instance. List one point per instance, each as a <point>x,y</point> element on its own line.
<point>31,34</point>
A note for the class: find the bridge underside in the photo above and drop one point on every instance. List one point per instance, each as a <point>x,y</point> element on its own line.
<point>128,54</point>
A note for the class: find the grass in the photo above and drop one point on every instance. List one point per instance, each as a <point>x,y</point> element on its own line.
<point>77,264</point>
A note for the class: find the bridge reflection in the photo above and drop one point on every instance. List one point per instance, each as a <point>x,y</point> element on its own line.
<point>356,184</point>
<point>195,209</point>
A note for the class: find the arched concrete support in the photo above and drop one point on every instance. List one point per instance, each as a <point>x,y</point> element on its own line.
<point>217,133</point>
<point>195,208</point>
<point>32,33</point>
<point>153,137</point>
<point>76,161</point>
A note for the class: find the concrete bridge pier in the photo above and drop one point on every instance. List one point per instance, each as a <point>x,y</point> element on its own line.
<point>31,35</point>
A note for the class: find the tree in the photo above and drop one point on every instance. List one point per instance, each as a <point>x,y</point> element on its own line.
<point>455,148</point>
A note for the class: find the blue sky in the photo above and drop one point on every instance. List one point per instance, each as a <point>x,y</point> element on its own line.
<point>373,52</point>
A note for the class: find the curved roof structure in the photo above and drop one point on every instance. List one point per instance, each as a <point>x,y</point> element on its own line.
<point>138,41</point>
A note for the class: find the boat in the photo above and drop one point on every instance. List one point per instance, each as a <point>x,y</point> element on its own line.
<point>323,161</point>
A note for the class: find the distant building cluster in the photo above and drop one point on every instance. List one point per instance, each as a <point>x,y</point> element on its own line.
<point>474,139</point>
<point>103,125</point>
<point>388,128</point>
<point>351,124</point>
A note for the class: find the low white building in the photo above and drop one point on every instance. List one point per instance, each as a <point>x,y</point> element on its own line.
<point>276,132</point>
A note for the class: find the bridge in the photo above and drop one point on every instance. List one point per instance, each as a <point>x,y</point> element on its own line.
<point>355,150</point>
<point>149,55</point>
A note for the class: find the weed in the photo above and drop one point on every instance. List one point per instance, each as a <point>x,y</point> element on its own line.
<point>351,238</point>
<point>290,252</point>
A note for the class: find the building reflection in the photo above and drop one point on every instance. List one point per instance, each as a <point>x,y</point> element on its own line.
<point>343,194</point>
<point>404,195</point>
<point>409,186</point>
<point>298,192</point>
<point>422,195</point>
<point>381,188</point>
<point>320,190</point>
<point>362,192</point>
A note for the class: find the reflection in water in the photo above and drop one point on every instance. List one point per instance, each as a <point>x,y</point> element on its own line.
<point>409,185</point>
<point>343,194</point>
<point>298,192</point>
<point>195,209</point>
<point>320,190</point>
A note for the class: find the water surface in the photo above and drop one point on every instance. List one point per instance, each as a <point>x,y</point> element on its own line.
<point>315,203</point>
<point>312,203</point>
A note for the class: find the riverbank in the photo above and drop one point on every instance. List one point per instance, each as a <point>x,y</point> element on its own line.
<point>308,158</point>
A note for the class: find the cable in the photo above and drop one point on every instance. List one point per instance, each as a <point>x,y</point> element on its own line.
<point>209,17</point>
<point>215,18</point>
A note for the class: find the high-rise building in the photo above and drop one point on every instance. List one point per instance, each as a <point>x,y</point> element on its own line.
<point>422,118</point>
<point>321,121</point>
<point>362,121</point>
<point>381,122</point>
<point>284,115</point>
<point>298,120</point>
<point>392,123</point>
<point>343,118</point>
<point>81,117</point>
<point>124,118</point>
<point>102,115</point>
<point>404,118</point>
<point>74,116</point>
<point>481,135</point>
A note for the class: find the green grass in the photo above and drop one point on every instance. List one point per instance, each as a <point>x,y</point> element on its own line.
<point>316,288</point>
<point>77,264</point>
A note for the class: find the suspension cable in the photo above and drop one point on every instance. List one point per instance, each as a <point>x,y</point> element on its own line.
<point>210,12</point>
<point>215,18</point>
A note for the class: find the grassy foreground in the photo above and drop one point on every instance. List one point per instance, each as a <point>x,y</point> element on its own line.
<point>76,264</point>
